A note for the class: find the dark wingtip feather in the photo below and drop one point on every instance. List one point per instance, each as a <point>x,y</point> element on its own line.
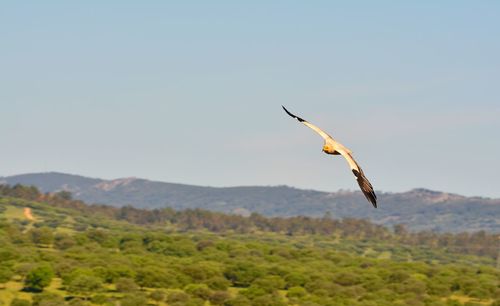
<point>372,197</point>
<point>292,115</point>
<point>366,187</point>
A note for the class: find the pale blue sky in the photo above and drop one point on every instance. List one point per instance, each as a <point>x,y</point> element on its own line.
<point>190,91</point>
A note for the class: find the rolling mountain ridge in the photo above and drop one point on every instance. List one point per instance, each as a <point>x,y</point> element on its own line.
<point>419,209</point>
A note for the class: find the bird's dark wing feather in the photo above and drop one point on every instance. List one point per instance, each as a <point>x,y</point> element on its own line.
<point>292,115</point>
<point>366,187</point>
<point>364,184</point>
<point>322,133</point>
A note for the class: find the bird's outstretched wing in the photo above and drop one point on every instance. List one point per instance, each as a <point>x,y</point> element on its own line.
<point>363,182</point>
<point>309,125</point>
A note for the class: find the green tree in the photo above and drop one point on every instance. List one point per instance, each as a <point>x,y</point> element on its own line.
<point>97,235</point>
<point>199,272</point>
<point>270,283</point>
<point>39,278</point>
<point>64,195</point>
<point>296,292</point>
<point>101,299</point>
<point>198,290</point>
<point>239,300</point>
<point>219,297</point>
<point>84,284</point>
<point>157,296</point>
<point>7,253</point>
<point>269,300</point>
<point>48,299</point>
<point>41,235</point>
<point>243,274</point>
<point>347,279</point>
<point>126,285</point>
<point>218,283</point>
<point>177,297</point>
<point>5,274</point>
<point>154,277</point>
<point>137,299</point>
<point>63,241</point>
<point>112,272</point>
<point>295,279</point>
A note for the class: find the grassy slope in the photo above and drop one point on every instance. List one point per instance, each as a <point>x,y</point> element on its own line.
<point>379,252</point>
<point>13,212</point>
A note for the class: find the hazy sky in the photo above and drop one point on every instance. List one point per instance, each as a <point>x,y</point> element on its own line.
<point>191,91</point>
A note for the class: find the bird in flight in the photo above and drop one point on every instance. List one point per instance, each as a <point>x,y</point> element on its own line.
<point>331,146</point>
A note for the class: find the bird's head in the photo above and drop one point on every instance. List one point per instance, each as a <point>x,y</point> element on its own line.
<point>327,148</point>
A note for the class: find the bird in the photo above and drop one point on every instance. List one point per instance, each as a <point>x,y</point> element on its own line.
<point>333,147</point>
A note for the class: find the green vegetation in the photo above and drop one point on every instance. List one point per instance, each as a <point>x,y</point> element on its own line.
<point>39,278</point>
<point>75,254</point>
<point>419,209</point>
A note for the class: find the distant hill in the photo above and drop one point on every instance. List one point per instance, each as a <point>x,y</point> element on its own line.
<point>419,209</point>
